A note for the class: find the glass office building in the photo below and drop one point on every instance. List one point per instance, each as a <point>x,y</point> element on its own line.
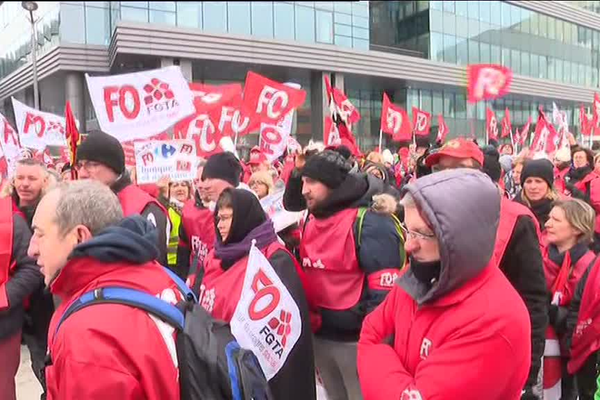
<point>416,51</point>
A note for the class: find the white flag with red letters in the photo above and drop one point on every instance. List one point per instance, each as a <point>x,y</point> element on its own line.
<point>266,319</point>
<point>38,129</point>
<point>141,104</point>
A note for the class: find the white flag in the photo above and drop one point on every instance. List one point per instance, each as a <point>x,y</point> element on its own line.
<point>9,141</point>
<point>141,104</point>
<point>266,320</point>
<point>38,129</point>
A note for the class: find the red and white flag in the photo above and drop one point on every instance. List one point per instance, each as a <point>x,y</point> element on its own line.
<point>141,104</point>
<point>491,124</point>
<point>340,104</point>
<point>506,124</point>
<point>268,101</point>
<point>487,81</point>
<point>336,134</point>
<point>586,124</point>
<point>442,129</point>
<point>521,137</point>
<point>395,121</point>
<point>38,129</point>
<point>596,115</point>
<point>421,122</point>
<point>11,147</point>
<point>208,97</point>
<point>546,139</point>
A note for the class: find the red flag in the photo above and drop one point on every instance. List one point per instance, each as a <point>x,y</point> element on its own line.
<point>208,97</point>
<point>270,101</point>
<point>546,139</point>
<point>73,137</point>
<point>442,129</point>
<point>506,125</point>
<point>522,136</point>
<point>421,122</point>
<point>339,104</point>
<point>487,82</point>
<point>491,124</point>
<point>338,134</point>
<point>586,126</point>
<point>395,121</point>
<point>595,129</point>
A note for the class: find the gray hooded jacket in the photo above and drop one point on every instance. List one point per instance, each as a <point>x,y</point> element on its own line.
<point>463,209</point>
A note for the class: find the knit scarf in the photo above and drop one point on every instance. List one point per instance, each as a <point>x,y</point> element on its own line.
<point>264,234</point>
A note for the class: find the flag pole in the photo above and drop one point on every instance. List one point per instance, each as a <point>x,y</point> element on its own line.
<point>380,140</point>
<point>592,133</point>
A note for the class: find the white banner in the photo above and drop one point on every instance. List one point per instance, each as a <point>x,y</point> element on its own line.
<point>38,129</point>
<point>157,158</point>
<point>9,141</point>
<point>273,207</point>
<point>141,104</point>
<point>266,319</point>
<point>274,138</point>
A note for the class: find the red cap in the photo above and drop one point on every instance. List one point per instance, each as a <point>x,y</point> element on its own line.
<point>257,157</point>
<point>457,148</point>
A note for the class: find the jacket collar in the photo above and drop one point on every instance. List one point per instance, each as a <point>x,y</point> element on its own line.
<point>77,274</point>
<point>462,293</point>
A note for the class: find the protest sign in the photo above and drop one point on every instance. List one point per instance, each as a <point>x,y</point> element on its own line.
<point>38,129</point>
<point>157,158</point>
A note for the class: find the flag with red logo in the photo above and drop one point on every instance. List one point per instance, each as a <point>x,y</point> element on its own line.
<point>209,97</point>
<point>266,319</point>
<point>395,121</point>
<point>521,137</point>
<point>72,137</point>
<point>487,82</point>
<point>129,147</point>
<point>421,122</point>
<point>140,104</point>
<point>442,129</point>
<point>596,115</point>
<point>340,104</point>
<point>11,147</point>
<point>268,101</point>
<point>586,125</point>
<point>545,139</point>
<point>38,129</point>
<point>491,124</point>
<point>337,133</point>
<point>506,124</point>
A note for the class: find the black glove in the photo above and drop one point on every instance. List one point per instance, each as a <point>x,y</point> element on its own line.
<point>552,313</point>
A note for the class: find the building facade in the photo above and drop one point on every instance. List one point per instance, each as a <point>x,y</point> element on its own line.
<point>416,51</point>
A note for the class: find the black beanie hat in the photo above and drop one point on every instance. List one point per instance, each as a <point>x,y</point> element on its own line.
<point>224,166</point>
<point>328,167</point>
<point>422,141</point>
<point>491,163</point>
<point>541,168</point>
<point>104,149</point>
<point>344,151</point>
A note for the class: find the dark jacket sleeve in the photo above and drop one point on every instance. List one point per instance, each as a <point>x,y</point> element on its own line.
<point>154,214</point>
<point>25,279</point>
<point>296,380</point>
<point>574,306</point>
<point>183,253</point>
<point>523,266</point>
<point>292,197</point>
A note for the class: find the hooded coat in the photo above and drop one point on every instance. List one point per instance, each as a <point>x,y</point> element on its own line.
<point>103,351</point>
<point>467,336</point>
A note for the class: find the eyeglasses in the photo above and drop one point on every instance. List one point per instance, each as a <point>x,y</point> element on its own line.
<point>417,235</point>
<point>87,165</point>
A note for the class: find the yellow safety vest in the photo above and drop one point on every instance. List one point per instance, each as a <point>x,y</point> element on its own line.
<point>175,218</point>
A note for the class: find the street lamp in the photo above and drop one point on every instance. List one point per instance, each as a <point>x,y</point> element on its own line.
<point>31,6</point>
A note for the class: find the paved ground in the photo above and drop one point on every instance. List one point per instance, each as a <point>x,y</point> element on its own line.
<point>28,387</point>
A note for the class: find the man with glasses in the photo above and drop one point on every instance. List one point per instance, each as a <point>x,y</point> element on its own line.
<point>452,327</point>
<point>100,157</point>
<point>517,249</point>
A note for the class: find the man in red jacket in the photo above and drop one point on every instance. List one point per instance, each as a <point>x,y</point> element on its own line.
<point>452,327</point>
<point>105,351</point>
<point>101,158</point>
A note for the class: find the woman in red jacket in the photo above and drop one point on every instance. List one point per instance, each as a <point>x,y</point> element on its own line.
<point>240,221</point>
<point>569,231</point>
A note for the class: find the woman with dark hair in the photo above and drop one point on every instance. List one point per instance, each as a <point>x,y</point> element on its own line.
<point>241,222</point>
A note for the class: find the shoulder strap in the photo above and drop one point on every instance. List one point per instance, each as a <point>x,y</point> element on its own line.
<point>130,297</point>
<point>362,211</point>
<point>183,288</point>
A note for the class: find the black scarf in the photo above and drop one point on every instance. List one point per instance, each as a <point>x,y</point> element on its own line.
<point>576,252</point>
<point>577,174</point>
<point>541,209</point>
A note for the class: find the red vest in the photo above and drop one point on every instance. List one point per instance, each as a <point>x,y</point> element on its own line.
<point>199,226</point>
<point>581,185</point>
<point>221,289</point>
<point>6,241</point>
<point>134,200</point>
<point>510,212</point>
<point>586,336</point>
<point>562,280</point>
<point>559,180</point>
<point>329,260</point>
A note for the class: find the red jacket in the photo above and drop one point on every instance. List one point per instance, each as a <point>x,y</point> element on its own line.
<point>111,351</point>
<point>473,343</point>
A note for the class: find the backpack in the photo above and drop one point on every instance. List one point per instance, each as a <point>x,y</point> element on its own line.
<point>360,218</point>
<point>212,365</point>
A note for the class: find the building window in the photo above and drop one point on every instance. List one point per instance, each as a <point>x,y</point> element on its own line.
<point>215,16</point>
<point>284,21</point>
<point>162,17</point>
<point>72,27</point>
<point>189,14</point>
<point>238,18</point>
<point>97,26</point>
<point>133,14</point>
<point>450,48</point>
<point>437,46</point>
<point>325,27</point>
<point>262,18</point>
<point>305,24</point>
<point>162,5</point>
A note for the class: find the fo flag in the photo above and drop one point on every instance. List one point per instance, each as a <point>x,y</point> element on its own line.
<point>442,129</point>
<point>596,115</point>
<point>421,122</point>
<point>274,138</point>
<point>521,137</point>
<point>546,139</point>
<point>208,97</point>
<point>340,104</point>
<point>10,145</point>
<point>268,101</point>
<point>586,124</point>
<point>506,125</point>
<point>141,104</point>
<point>267,319</point>
<point>337,133</point>
<point>487,82</point>
<point>38,129</point>
<point>72,137</point>
<point>395,121</point>
<point>491,124</point>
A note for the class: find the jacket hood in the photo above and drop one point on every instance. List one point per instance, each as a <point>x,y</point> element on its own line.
<point>133,240</point>
<point>463,208</point>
